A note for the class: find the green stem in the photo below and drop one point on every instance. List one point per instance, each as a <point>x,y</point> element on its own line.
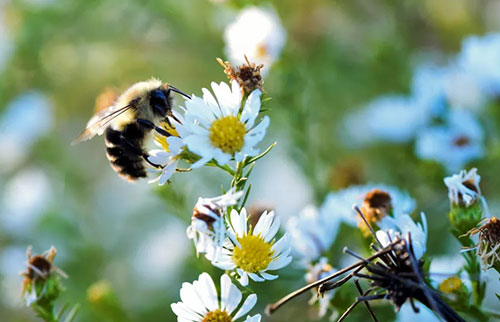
<point>473,268</point>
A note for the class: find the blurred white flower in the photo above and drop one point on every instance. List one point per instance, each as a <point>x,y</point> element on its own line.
<point>200,301</point>
<point>25,119</point>
<point>463,188</point>
<point>406,228</point>
<point>256,33</point>
<point>428,88</point>
<point>26,196</point>
<point>314,273</point>
<point>339,204</point>
<point>208,224</point>
<point>391,118</point>
<point>480,58</point>
<point>215,129</point>
<point>453,144</point>
<point>311,234</point>
<point>167,159</point>
<point>253,252</point>
<point>462,90</point>
<point>443,267</point>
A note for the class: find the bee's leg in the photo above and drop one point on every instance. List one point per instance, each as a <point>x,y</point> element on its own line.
<point>154,165</point>
<point>152,126</point>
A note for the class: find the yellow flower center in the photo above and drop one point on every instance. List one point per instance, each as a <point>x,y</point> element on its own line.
<point>217,316</point>
<point>254,255</point>
<point>228,134</point>
<point>451,285</point>
<point>163,139</point>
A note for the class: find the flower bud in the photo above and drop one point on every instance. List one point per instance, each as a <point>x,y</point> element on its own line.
<point>466,207</point>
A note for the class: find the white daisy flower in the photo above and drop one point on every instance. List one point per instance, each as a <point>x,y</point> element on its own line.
<point>253,251</point>
<point>444,267</point>
<point>314,273</point>
<point>311,234</point>
<point>480,58</point>
<point>167,159</point>
<point>256,33</point>
<point>454,144</point>
<point>404,227</point>
<point>208,226</point>
<point>339,204</point>
<point>200,302</point>
<point>214,128</point>
<point>463,188</point>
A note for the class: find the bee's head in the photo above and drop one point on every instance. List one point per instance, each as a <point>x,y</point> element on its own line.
<point>160,101</point>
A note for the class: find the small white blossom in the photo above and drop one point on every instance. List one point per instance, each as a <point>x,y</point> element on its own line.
<point>463,188</point>
<point>404,227</point>
<point>314,273</point>
<point>253,251</point>
<point>214,128</point>
<point>311,234</point>
<point>168,160</point>
<point>453,144</point>
<point>208,225</point>
<point>200,301</point>
<point>256,33</point>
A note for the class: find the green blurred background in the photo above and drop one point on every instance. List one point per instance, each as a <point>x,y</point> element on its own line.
<point>61,55</point>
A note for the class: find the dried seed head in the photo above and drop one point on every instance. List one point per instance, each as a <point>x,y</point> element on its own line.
<point>38,274</point>
<point>206,213</point>
<point>376,205</point>
<point>488,246</point>
<point>247,75</point>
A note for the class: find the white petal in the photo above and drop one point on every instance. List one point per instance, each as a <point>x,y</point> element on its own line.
<point>230,295</point>
<point>268,276</point>
<point>256,134</point>
<point>251,109</point>
<point>190,297</point>
<point>208,291</point>
<point>281,262</point>
<point>247,306</point>
<point>256,277</point>
<point>183,311</point>
<point>243,278</point>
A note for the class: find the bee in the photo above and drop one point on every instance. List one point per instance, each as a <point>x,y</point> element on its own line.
<point>127,123</point>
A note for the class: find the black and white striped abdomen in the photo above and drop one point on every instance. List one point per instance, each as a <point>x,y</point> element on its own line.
<point>124,150</point>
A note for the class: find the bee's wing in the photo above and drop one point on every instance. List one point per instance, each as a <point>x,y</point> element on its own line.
<point>99,122</point>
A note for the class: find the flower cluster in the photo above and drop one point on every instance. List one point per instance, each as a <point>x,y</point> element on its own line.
<point>222,130</point>
<point>384,207</point>
<point>440,113</point>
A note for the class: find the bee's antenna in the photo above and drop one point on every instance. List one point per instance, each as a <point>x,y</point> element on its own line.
<point>178,91</point>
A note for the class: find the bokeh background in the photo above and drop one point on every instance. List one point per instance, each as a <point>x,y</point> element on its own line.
<point>56,57</point>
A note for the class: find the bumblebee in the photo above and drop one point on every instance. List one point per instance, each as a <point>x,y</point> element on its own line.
<point>127,123</point>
